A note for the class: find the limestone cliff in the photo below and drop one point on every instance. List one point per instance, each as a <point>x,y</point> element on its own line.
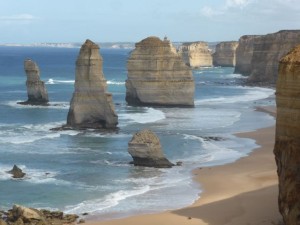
<point>287,145</point>
<point>196,54</point>
<point>244,53</point>
<point>267,51</point>
<point>145,149</point>
<point>158,76</point>
<point>225,54</point>
<point>36,89</point>
<point>91,106</point>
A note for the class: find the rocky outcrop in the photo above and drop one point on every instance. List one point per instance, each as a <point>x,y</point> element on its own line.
<point>196,54</point>
<point>225,54</point>
<point>267,51</point>
<point>158,76</point>
<point>244,53</point>
<point>16,172</point>
<point>287,145</point>
<point>36,89</point>
<point>146,150</point>
<point>21,215</point>
<point>91,106</point>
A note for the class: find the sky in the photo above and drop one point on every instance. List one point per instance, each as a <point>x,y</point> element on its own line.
<point>63,21</point>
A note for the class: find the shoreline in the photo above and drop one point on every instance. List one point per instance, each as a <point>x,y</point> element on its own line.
<point>241,192</point>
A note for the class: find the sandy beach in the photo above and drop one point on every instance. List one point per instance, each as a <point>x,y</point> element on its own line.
<point>243,192</point>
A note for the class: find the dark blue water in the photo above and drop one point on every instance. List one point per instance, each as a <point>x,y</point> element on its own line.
<point>86,171</point>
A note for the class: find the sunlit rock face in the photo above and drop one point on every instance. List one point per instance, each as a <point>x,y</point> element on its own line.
<point>91,106</point>
<point>36,89</point>
<point>287,145</point>
<point>225,54</point>
<point>196,54</point>
<point>158,76</point>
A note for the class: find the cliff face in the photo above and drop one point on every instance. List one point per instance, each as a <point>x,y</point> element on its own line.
<point>267,51</point>
<point>225,54</point>
<point>196,54</point>
<point>287,145</point>
<point>244,53</point>
<point>36,89</point>
<point>158,76</point>
<point>91,106</point>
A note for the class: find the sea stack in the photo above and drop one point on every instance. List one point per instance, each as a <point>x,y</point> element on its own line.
<point>287,145</point>
<point>158,76</point>
<point>196,54</point>
<point>225,54</point>
<point>36,89</point>
<point>91,106</point>
<point>146,150</point>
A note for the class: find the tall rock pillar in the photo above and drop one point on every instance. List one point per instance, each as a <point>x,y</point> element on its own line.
<point>36,89</point>
<point>91,106</point>
<point>287,145</point>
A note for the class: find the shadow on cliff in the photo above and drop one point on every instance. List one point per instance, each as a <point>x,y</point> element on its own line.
<point>256,207</point>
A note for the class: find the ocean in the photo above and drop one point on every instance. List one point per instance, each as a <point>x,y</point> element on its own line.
<point>88,171</point>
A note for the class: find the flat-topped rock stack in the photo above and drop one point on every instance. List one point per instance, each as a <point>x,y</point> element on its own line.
<point>287,145</point>
<point>225,54</point>
<point>91,106</point>
<point>196,54</point>
<point>158,76</point>
<point>36,89</point>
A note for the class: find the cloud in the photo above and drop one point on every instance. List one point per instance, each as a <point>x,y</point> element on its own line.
<point>237,3</point>
<point>209,12</point>
<point>19,17</point>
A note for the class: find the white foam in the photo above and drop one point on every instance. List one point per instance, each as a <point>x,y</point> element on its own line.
<point>106,202</point>
<point>51,105</point>
<point>113,82</point>
<point>150,116</point>
<point>28,133</point>
<point>252,94</point>
<point>53,81</point>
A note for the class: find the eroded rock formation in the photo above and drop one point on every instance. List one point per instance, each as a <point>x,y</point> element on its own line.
<point>196,54</point>
<point>244,53</point>
<point>36,89</point>
<point>146,150</point>
<point>225,54</point>
<point>158,76</point>
<point>91,106</point>
<point>16,172</point>
<point>21,215</point>
<point>287,145</point>
<point>267,51</point>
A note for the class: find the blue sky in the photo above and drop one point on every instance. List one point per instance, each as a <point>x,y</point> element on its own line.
<point>31,21</point>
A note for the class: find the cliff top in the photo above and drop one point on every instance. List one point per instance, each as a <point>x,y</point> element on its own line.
<point>292,57</point>
<point>145,136</point>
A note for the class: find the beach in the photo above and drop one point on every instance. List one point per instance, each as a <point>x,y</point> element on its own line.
<point>242,192</point>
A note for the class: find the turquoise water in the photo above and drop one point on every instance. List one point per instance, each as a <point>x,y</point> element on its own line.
<point>88,171</point>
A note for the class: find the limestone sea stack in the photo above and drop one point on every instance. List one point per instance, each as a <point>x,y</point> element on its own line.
<point>36,89</point>
<point>225,54</point>
<point>244,53</point>
<point>158,76</point>
<point>287,144</point>
<point>145,149</point>
<point>91,106</point>
<point>268,50</point>
<point>196,54</point>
